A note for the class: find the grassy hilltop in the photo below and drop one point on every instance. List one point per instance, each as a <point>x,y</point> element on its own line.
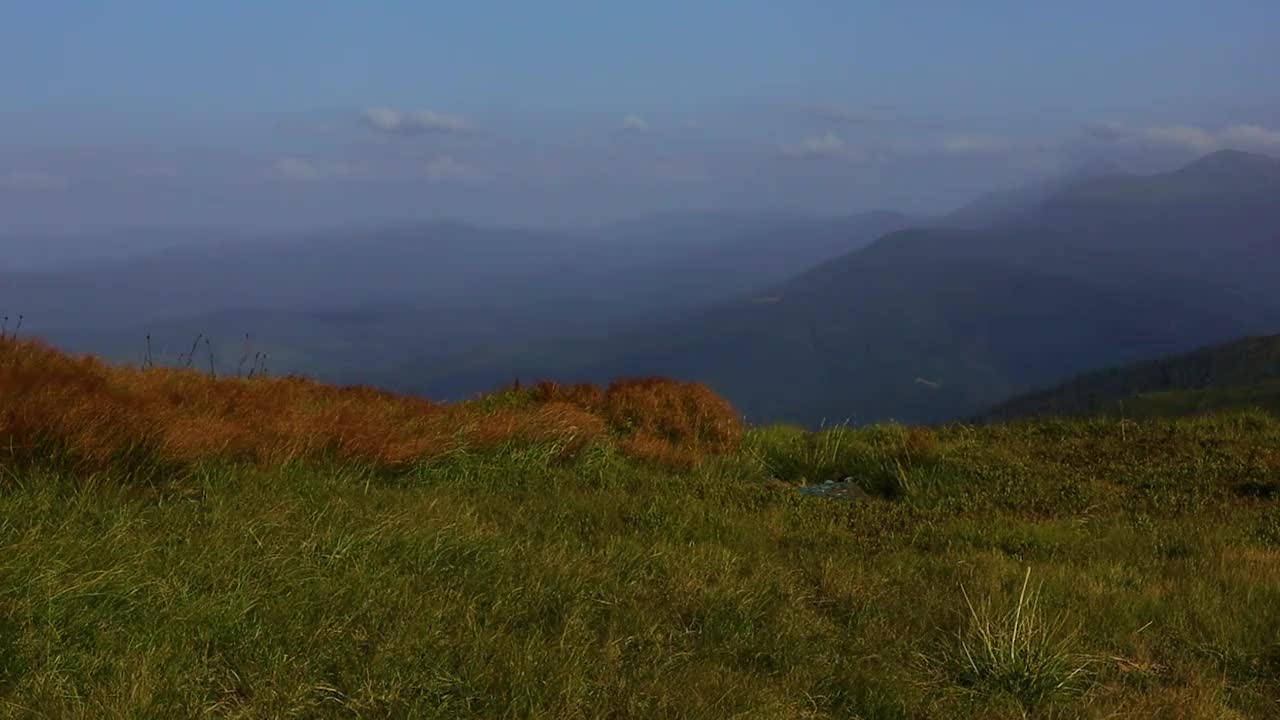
<point>173,545</point>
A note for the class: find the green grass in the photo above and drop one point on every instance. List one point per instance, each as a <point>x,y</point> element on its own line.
<point>1018,653</point>
<point>1174,403</point>
<point>509,585</point>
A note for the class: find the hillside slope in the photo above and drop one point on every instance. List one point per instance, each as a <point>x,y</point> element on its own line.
<point>922,343</point>
<point>1235,375</point>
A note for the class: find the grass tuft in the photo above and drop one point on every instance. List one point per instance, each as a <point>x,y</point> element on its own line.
<point>1021,653</point>
<point>792,455</point>
<point>881,460</point>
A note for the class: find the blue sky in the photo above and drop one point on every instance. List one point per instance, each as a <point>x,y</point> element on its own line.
<point>293,112</point>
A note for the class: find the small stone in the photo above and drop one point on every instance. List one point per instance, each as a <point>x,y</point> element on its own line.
<point>845,489</point>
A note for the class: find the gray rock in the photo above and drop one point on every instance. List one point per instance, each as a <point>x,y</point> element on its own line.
<point>845,489</point>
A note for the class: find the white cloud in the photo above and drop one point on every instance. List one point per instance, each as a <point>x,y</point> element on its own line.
<point>292,168</point>
<point>395,122</point>
<point>1186,136</point>
<point>829,144</point>
<point>21,180</point>
<point>1251,136</point>
<point>634,123</point>
<point>446,169</point>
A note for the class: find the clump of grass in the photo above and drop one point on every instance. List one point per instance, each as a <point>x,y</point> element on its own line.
<point>805,458</point>
<point>880,463</point>
<point>1021,653</point>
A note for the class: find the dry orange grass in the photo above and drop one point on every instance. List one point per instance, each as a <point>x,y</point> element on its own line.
<point>96,414</point>
<point>659,420</point>
<point>920,442</point>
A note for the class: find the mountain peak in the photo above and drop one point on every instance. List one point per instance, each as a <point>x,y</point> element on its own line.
<point>1233,161</point>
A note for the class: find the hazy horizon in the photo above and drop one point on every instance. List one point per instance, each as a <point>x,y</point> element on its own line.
<point>237,117</point>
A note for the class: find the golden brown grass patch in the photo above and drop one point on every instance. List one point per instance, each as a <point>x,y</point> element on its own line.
<point>94,413</point>
<point>659,420</point>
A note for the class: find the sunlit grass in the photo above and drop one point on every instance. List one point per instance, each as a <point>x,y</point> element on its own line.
<point>1052,569</point>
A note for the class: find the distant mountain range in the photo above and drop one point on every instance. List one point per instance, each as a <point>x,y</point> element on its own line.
<point>1006,206</point>
<point>931,324</point>
<point>438,264</point>
<point>863,318</point>
<point>346,304</point>
<point>1236,375</point>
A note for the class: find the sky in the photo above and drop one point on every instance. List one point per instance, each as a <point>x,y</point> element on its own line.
<point>310,113</point>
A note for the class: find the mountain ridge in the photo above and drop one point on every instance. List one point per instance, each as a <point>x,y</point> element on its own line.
<point>1242,373</point>
<point>958,307</point>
